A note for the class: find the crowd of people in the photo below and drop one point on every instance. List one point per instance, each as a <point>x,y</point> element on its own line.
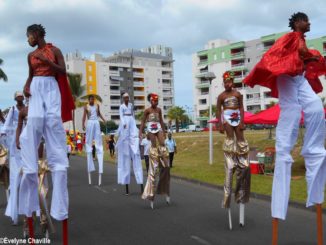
<point>35,138</point>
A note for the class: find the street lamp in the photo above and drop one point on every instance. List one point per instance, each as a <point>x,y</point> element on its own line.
<point>210,76</point>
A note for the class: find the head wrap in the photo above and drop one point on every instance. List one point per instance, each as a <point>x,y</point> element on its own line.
<point>228,75</point>
<point>18,94</point>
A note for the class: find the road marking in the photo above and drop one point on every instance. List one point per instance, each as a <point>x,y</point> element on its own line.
<point>100,189</point>
<point>200,240</point>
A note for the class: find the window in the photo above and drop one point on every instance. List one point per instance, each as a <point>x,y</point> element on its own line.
<point>90,88</point>
<point>223,55</point>
<point>203,102</point>
<point>215,57</point>
<point>90,78</point>
<point>67,67</point>
<point>248,60</point>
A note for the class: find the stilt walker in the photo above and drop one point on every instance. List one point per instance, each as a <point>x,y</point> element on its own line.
<point>9,130</point>
<point>128,146</point>
<point>50,104</point>
<point>158,180</point>
<point>93,133</point>
<point>291,71</point>
<point>235,147</point>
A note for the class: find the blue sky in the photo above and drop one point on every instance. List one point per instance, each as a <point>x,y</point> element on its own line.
<point>105,26</point>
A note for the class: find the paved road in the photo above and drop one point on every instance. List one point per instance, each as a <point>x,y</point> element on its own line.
<point>104,215</point>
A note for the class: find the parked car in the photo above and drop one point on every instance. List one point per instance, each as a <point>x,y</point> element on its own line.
<point>194,128</point>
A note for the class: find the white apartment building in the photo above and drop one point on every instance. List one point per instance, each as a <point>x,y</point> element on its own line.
<point>136,72</point>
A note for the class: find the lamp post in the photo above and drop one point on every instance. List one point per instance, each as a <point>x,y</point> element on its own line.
<point>210,76</point>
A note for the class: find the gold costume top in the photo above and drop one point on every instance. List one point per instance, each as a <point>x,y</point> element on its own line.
<point>231,101</point>
<point>153,123</point>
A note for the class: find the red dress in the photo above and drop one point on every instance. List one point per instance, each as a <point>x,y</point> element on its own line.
<point>287,56</point>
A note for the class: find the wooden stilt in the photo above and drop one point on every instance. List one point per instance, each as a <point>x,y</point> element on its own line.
<point>319,224</point>
<point>31,229</point>
<point>65,232</point>
<point>275,231</point>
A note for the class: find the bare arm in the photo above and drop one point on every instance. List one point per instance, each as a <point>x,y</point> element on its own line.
<point>100,114</point>
<point>21,117</point>
<point>241,110</point>
<point>2,119</point>
<point>84,118</point>
<point>162,122</point>
<point>142,124</point>
<point>219,112</point>
<point>27,91</point>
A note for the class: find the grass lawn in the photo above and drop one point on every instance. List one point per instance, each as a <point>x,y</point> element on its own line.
<point>192,159</point>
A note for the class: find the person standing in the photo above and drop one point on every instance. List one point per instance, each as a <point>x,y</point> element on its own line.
<point>172,147</point>
<point>93,133</point>
<point>158,180</point>
<point>128,146</point>
<point>236,147</point>
<point>50,104</point>
<point>291,71</point>
<point>146,145</point>
<point>111,145</point>
<point>15,163</point>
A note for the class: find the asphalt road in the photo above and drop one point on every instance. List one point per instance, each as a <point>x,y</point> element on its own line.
<point>104,215</point>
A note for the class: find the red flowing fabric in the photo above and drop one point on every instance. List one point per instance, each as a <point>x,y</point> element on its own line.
<point>284,58</point>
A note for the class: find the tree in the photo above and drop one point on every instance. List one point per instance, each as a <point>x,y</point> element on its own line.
<point>3,75</point>
<point>109,125</point>
<point>177,114</point>
<point>206,114</point>
<point>77,90</point>
<point>139,115</point>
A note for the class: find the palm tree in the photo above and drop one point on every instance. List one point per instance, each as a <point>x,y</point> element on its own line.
<point>3,75</point>
<point>177,114</point>
<point>139,115</point>
<point>77,90</point>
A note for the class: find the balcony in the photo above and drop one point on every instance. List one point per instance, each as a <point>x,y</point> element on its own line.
<point>139,93</point>
<point>253,101</point>
<point>138,74</point>
<point>202,118</point>
<point>238,55</point>
<point>115,102</point>
<point>114,92</point>
<point>167,76</point>
<point>167,94</point>
<point>138,84</point>
<point>167,85</point>
<point>167,103</point>
<point>203,62</point>
<point>204,84</point>
<point>139,102</point>
<point>114,112</point>
<point>114,73</point>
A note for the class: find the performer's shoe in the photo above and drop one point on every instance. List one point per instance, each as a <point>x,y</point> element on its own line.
<point>99,179</point>
<point>168,200</point>
<point>242,215</point>
<point>127,190</point>
<point>89,178</point>
<point>152,204</point>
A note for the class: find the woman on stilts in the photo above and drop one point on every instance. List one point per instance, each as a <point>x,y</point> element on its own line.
<point>158,180</point>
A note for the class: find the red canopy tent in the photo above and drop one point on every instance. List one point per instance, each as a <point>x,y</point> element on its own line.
<point>268,116</point>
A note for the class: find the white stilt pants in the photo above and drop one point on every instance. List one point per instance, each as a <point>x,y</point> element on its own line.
<point>93,132</point>
<point>44,119</point>
<point>296,95</point>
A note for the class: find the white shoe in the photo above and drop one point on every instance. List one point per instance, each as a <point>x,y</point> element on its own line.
<point>168,200</point>
<point>152,204</point>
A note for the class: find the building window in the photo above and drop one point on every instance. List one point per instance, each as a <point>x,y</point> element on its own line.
<point>90,88</point>
<point>215,57</point>
<point>248,60</point>
<point>67,67</point>
<point>158,80</point>
<point>90,78</point>
<point>203,102</point>
<point>223,55</point>
<point>89,68</point>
